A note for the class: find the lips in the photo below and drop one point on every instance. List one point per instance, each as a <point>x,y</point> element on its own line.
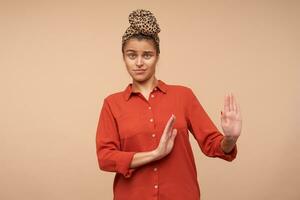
<point>139,71</point>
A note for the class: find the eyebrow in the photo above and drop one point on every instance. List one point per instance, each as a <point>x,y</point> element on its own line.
<point>135,51</point>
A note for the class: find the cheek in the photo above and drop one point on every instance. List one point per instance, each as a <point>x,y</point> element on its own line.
<point>129,63</point>
<point>151,63</point>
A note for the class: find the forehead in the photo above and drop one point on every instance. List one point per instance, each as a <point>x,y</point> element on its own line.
<point>139,45</point>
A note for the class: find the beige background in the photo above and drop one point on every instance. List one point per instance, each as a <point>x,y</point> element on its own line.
<point>58,60</point>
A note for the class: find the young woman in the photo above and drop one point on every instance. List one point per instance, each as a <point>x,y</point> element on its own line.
<point>143,131</point>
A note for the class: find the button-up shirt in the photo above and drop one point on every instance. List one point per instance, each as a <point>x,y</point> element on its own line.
<point>129,123</point>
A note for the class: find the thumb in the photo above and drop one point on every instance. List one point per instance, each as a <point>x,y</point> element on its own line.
<point>222,114</point>
<point>174,133</point>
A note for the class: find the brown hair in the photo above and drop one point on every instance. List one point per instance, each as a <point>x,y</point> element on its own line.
<point>141,36</point>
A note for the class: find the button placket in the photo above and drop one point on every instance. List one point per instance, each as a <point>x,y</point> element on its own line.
<point>153,135</point>
<point>151,120</point>
<point>155,182</point>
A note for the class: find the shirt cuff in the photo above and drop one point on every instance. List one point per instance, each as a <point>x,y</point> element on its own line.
<point>124,167</point>
<point>226,156</point>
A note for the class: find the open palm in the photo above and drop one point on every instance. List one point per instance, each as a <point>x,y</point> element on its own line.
<point>231,119</point>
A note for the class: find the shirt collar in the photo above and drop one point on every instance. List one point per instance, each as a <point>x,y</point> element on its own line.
<point>161,85</point>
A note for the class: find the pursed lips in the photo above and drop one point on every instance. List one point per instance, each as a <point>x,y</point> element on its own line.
<point>139,70</point>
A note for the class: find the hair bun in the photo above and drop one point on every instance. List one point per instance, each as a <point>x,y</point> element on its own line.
<point>144,21</point>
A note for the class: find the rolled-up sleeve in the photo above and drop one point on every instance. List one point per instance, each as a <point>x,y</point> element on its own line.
<point>208,137</point>
<point>110,157</point>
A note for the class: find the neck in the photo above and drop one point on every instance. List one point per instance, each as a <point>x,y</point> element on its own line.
<point>144,86</point>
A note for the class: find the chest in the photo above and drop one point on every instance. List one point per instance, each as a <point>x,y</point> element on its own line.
<point>141,121</point>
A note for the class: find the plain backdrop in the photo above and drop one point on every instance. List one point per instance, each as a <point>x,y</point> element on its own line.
<point>59,59</point>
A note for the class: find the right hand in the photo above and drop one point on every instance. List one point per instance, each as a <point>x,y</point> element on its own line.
<point>167,139</point>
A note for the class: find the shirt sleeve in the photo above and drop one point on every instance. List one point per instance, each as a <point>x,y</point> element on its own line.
<point>110,157</point>
<point>204,131</point>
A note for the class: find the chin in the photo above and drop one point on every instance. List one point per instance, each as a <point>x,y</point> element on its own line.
<point>140,78</point>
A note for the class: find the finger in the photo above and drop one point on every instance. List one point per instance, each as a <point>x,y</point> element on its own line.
<point>174,133</point>
<point>226,103</point>
<point>230,102</point>
<point>166,134</point>
<point>234,104</point>
<point>222,115</point>
<point>170,123</point>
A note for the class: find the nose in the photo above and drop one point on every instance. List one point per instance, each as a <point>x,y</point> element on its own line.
<point>139,61</point>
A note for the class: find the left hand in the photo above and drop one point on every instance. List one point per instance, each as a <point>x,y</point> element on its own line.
<point>231,119</point>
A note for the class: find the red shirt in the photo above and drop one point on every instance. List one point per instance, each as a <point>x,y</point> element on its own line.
<point>129,123</point>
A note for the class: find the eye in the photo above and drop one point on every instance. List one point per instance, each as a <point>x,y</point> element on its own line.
<point>147,56</point>
<point>131,56</point>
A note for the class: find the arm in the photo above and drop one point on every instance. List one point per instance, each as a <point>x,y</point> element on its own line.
<point>228,144</point>
<point>231,121</point>
<point>208,137</point>
<point>143,158</point>
<point>110,157</point>
<point>164,147</point>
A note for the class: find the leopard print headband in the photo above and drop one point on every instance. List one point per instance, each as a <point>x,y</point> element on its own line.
<point>142,21</point>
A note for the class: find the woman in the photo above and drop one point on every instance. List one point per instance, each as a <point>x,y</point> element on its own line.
<point>143,131</point>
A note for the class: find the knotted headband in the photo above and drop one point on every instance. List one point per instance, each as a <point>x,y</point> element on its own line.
<point>142,21</point>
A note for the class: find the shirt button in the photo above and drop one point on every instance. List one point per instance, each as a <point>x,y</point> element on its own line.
<point>152,95</point>
<point>155,186</point>
<point>153,135</point>
<point>149,107</point>
<point>155,88</point>
<point>155,169</point>
<point>151,120</point>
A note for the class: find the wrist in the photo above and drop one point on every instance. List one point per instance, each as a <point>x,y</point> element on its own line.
<point>228,143</point>
<point>230,139</point>
<point>155,154</point>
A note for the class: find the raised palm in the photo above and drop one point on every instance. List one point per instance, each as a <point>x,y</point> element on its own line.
<point>231,119</point>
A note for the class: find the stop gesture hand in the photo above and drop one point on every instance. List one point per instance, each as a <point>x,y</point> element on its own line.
<point>231,119</point>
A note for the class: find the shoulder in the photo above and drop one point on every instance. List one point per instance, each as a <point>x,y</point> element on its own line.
<point>114,97</point>
<point>183,92</point>
<point>180,89</point>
